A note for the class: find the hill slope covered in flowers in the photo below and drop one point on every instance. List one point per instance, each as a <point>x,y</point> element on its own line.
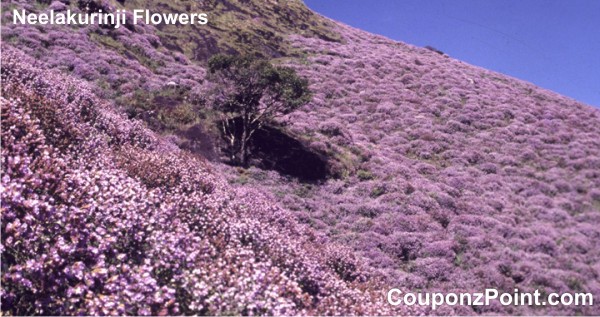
<point>457,178</point>
<point>99,216</point>
<point>449,177</point>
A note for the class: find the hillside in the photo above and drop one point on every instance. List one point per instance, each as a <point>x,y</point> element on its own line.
<point>99,216</point>
<point>459,178</point>
<point>441,176</point>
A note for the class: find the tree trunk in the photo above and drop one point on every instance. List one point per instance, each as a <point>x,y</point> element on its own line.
<point>229,132</point>
<point>244,139</point>
<point>244,147</point>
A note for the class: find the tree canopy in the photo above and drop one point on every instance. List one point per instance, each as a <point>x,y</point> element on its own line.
<point>249,92</point>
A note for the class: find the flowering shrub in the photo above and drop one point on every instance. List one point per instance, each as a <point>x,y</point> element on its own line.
<point>465,167</point>
<point>101,217</point>
<point>452,178</point>
<point>115,59</point>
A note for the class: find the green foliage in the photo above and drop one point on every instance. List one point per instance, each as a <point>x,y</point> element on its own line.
<point>377,191</point>
<point>233,26</point>
<point>182,114</point>
<point>255,79</point>
<point>250,92</point>
<point>129,51</point>
<point>364,175</point>
<point>167,109</point>
<point>303,191</point>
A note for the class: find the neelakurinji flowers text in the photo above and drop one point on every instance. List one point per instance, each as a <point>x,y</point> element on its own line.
<point>116,19</point>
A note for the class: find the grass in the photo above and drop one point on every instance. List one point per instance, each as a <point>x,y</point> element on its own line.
<point>236,26</point>
<point>364,175</point>
<point>135,52</point>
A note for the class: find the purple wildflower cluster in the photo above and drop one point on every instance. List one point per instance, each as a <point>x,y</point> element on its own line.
<point>457,178</point>
<point>451,178</point>
<point>99,216</point>
<point>118,61</point>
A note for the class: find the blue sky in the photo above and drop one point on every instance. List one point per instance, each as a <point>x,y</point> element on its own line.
<point>554,44</point>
